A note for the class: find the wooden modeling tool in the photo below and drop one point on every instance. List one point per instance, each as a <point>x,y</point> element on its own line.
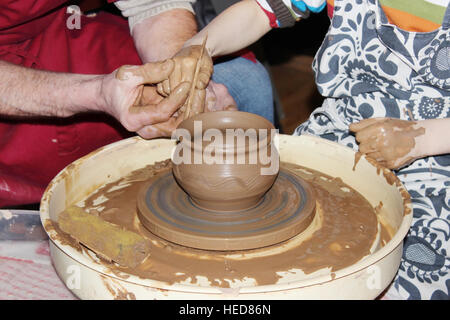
<point>192,90</point>
<point>107,240</point>
<point>194,80</point>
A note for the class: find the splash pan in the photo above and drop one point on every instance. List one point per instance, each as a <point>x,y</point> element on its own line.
<point>356,281</point>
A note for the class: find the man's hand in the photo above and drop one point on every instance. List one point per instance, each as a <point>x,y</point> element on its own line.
<point>218,98</point>
<point>394,143</point>
<point>138,106</point>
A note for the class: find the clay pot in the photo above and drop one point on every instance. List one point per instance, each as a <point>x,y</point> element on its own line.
<point>224,169</point>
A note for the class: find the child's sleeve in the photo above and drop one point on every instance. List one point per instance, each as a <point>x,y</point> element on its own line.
<point>284,13</point>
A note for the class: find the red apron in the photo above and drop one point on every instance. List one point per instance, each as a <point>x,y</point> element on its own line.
<point>33,33</point>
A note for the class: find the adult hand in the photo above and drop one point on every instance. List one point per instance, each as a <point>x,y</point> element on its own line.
<point>218,98</point>
<point>185,63</point>
<point>138,106</point>
<point>394,143</point>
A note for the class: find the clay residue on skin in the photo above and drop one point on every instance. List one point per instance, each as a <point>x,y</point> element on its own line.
<point>349,227</point>
<point>389,141</point>
<point>410,132</point>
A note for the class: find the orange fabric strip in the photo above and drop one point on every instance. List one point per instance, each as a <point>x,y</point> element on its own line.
<point>401,19</point>
<point>409,22</point>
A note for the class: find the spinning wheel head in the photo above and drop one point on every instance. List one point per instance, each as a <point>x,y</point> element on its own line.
<point>167,211</point>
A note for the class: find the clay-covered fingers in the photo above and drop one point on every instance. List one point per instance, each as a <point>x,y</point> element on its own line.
<point>205,72</point>
<point>231,108</point>
<point>189,57</point>
<point>148,96</point>
<point>163,129</point>
<point>198,102</point>
<point>218,98</point>
<point>368,146</point>
<point>160,89</point>
<point>186,64</point>
<point>366,134</point>
<point>149,73</point>
<point>367,129</point>
<point>148,114</point>
<point>376,155</point>
<point>175,78</point>
<point>369,132</point>
<point>358,126</point>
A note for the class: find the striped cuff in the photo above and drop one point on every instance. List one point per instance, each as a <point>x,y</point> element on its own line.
<point>287,12</point>
<point>282,13</point>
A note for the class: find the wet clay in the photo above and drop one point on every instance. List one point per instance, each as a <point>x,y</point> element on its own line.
<point>230,175</point>
<point>357,158</point>
<point>348,228</point>
<point>389,141</point>
<point>390,178</point>
<point>194,65</point>
<point>287,209</point>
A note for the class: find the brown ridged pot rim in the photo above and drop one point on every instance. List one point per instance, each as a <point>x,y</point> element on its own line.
<point>223,120</point>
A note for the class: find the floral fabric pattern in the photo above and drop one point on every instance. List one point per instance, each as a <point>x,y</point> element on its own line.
<point>365,68</point>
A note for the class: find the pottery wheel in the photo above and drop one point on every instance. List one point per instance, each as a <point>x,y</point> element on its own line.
<point>167,211</point>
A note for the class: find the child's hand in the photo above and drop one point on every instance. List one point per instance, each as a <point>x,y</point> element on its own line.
<point>394,143</point>
<point>185,63</point>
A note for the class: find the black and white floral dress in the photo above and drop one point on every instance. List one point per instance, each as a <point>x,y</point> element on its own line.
<point>367,67</point>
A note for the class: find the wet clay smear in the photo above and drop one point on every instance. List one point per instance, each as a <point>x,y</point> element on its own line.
<point>347,229</point>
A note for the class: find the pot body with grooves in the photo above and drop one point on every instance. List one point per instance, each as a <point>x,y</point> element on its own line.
<point>229,160</point>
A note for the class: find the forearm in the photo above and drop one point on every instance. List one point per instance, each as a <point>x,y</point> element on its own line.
<point>234,29</point>
<point>160,37</point>
<point>30,92</point>
<point>435,139</point>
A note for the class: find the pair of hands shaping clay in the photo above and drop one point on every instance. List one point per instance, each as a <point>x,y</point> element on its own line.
<point>164,88</point>
<point>393,143</point>
<point>185,64</point>
<point>205,91</point>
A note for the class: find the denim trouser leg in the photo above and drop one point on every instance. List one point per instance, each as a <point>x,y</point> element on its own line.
<point>249,84</point>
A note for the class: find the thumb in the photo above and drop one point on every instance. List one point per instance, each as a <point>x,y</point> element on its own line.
<point>152,72</point>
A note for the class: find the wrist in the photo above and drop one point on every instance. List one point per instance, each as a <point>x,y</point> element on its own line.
<point>68,94</point>
<point>197,40</point>
<point>433,141</point>
<point>102,92</point>
<point>160,37</point>
<point>87,94</point>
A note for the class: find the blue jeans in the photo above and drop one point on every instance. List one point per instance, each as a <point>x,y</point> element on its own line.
<point>249,84</point>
